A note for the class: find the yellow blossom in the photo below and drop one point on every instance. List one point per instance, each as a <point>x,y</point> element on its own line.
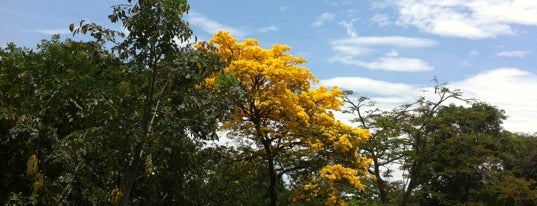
<point>31,165</point>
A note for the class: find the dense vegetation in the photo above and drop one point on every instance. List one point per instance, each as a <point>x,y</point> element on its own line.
<point>127,119</point>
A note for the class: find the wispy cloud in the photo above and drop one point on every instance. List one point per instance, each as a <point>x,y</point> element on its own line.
<point>267,29</point>
<point>514,53</point>
<point>324,17</point>
<point>50,31</point>
<point>473,19</point>
<point>350,50</point>
<point>349,27</point>
<point>388,63</point>
<point>365,86</point>
<point>347,51</point>
<point>381,19</point>
<point>210,26</point>
<point>398,41</point>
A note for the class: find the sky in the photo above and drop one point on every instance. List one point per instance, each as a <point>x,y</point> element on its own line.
<point>387,50</point>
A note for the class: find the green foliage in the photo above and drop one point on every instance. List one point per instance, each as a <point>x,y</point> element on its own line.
<point>53,102</point>
<point>463,148</point>
<point>98,121</point>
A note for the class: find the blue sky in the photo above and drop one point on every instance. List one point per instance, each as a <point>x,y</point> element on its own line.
<point>388,50</point>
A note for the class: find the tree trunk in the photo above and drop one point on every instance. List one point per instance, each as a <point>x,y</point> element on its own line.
<point>269,156</point>
<point>414,174</point>
<point>380,183</point>
<point>272,172</point>
<point>272,182</point>
<point>146,128</point>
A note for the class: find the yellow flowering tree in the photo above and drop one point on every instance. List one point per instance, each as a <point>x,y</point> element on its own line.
<point>290,122</point>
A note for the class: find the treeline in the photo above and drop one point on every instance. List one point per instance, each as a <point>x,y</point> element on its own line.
<point>128,119</point>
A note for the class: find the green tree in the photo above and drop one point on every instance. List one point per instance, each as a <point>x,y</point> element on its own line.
<point>54,105</point>
<point>81,124</point>
<point>172,107</point>
<point>513,181</point>
<point>464,145</point>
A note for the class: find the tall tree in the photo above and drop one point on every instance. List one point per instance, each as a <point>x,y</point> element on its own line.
<point>171,103</point>
<point>290,123</point>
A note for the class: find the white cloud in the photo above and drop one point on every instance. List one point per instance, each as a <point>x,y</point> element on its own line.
<point>473,19</point>
<point>361,42</point>
<point>324,17</point>
<point>50,31</point>
<point>363,85</point>
<point>473,53</point>
<point>198,20</point>
<point>388,63</point>
<point>513,53</point>
<point>398,64</point>
<point>350,50</point>
<point>339,3</point>
<point>392,53</point>
<point>347,51</point>
<point>380,19</point>
<point>267,29</point>
<point>398,41</point>
<point>510,89</point>
<point>349,28</point>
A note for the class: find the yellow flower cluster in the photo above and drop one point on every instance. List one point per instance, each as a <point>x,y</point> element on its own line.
<point>31,165</point>
<point>148,165</point>
<point>363,133</point>
<point>343,144</point>
<point>37,186</point>
<point>334,198</point>
<point>115,196</point>
<point>273,78</point>
<point>315,145</point>
<point>337,173</point>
